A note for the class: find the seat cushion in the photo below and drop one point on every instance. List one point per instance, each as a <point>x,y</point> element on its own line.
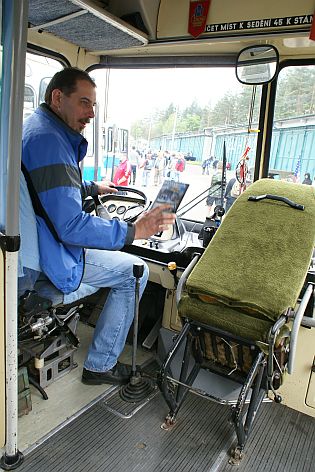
<point>259,257</point>
<point>46,289</point>
<point>225,318</point>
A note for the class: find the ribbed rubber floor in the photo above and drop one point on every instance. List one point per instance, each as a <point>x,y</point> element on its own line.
<point>282,441</point>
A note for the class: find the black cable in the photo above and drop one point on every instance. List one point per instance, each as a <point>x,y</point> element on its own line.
<point>35,384</point>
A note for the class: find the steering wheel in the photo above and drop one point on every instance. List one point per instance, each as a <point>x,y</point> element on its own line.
<point>124,205</point>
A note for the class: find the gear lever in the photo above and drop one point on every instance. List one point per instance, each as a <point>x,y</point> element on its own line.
<point>138,387</point>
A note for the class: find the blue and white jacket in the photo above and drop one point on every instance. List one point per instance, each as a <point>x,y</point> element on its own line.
<point>51,152</point>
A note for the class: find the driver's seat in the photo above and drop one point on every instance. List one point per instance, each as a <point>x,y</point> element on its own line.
<point>29,272</point>
<point>47,317</point>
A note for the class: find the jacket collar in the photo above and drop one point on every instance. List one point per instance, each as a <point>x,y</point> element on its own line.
<point>77,140</point>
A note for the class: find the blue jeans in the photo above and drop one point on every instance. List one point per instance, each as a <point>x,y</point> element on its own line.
<point>145,177</point>
<point>112,269</point>
<point>27,282</point>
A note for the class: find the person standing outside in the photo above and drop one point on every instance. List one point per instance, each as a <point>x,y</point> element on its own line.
<point>215,163</point>
<point>307,179</point>
<point>159,165</point>
<point>214,197</point>
<point>75,246</point>
<point>209,162</point>
<point>229,196</point>
<point>179,167</point>
<point>134,162</point>
<point>123,172</point>
<point>147,166</point>
<point>172,166</point>
<point>204,166</point>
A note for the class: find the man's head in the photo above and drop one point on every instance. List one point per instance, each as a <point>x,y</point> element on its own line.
<point>71,95</point>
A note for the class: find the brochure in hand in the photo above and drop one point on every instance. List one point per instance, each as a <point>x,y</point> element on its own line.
<point>172,193</point>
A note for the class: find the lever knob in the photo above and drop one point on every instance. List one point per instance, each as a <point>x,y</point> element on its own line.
<point>172,267</point>
<point>138,268</point>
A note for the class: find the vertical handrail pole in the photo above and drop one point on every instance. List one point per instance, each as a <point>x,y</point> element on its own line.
<point>16,13</point>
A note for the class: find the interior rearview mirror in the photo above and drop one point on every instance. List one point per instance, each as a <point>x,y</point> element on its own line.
<point>256,65</point>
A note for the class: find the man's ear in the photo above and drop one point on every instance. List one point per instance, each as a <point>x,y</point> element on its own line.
<point>56,98</point>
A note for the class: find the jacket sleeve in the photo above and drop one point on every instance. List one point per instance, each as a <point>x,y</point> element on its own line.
<point>88,189</point>
<point>58,185</point>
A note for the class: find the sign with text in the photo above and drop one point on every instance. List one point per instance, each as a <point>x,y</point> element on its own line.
<point>273,23</point>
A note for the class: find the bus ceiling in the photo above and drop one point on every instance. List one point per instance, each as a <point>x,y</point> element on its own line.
<point>89,32</point>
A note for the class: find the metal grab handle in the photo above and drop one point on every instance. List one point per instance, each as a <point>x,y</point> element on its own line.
<point>268,196</point>
<point>296,326</point>
<point>184,276</point>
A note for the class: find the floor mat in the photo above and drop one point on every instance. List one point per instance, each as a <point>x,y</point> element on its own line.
<point>100,441</point>
<point>282,441</point>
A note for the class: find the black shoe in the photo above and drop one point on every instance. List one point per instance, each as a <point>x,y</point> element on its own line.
<point>118,375</point>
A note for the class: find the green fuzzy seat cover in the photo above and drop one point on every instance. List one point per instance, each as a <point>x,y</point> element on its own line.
<point>256,264</point>
<point>225,318</point>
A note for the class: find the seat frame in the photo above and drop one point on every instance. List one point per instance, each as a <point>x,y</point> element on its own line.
<point>264,376</point>
<point>258,381</point>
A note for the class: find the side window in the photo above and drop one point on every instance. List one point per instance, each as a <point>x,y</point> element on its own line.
<point>42,89</point>
<point>29,101</point>
<point>38,72</point>
<point>89,134</point>
<point>292,148</point>
<point>110,139</point>
<point>124,140</point>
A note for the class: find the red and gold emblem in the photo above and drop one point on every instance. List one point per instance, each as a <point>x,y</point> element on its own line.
<point>198,13</point>
<point>312,32</point>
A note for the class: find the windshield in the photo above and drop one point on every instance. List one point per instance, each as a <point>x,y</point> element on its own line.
<point>178,121</point>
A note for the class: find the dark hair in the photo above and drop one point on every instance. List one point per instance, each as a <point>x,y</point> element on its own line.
<point>307,175</point>
<point>66,81</point>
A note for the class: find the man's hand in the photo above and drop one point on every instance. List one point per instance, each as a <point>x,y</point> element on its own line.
<point>105,187</point>
<point>153,221</point>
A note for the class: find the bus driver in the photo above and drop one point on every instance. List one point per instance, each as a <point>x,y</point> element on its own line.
<point>74,246</point>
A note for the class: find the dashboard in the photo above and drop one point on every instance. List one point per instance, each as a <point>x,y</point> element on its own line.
<point>121,209</point>
<point>177,243</point>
